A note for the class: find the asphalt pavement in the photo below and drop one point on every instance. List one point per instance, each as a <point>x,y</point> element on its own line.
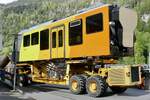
<point>44,92</point>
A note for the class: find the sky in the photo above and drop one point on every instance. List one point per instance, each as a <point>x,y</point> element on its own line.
<point>6,1</point>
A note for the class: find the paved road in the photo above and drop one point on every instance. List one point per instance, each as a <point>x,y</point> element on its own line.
<point>7,94</point>
<point>42,92</point>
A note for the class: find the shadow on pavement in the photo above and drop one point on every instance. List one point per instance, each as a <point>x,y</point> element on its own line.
<point>40,88</point>
<point>52,88</point>
<point>135,92</point>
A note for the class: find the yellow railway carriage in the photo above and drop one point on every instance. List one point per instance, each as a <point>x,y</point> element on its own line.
<point>81,51</point>
<point>69,38</point>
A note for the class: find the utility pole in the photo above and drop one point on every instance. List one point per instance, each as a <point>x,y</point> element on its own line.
<point>14,79</point>
<point>14,64</point>
<point>14,61</point>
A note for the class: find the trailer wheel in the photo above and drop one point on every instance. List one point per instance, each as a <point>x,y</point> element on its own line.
<point>20,81</point>
<point>77,84</point>
<point>20,84</point>
<point>29,82</point>
<point>21,78</point>
<point>118,90</point>
<point>96,86</point>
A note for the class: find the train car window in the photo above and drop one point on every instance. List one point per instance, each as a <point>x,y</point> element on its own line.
<point>54,40</point>
<point>60,35</point>
<point>94,23</point>
<point>26,41</point>
<point>35,38</point>
<point>75,32</point>
<point>44,39</point>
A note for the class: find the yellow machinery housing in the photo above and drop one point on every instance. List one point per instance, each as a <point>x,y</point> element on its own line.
<point>81,51</point>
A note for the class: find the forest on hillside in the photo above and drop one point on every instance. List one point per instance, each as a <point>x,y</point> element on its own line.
<point>23,14</point>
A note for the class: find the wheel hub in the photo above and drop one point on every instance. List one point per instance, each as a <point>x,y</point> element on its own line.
<point>93,87</point>
<point>74,85</point>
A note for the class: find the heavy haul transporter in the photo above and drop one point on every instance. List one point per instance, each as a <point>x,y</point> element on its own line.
<point>81,51</point>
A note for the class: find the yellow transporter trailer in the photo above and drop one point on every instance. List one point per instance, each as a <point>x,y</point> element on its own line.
<point>81,51</point>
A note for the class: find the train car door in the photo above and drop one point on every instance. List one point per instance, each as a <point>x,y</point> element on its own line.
<point>57,46</point>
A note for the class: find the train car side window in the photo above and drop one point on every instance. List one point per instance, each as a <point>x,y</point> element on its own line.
<point>35,38</point>
<point>54,40</point>
<point>94,23</point>
<point>75,32</point>
<point>44,39</point>
<point>60,35</point>
<point>26,41</point>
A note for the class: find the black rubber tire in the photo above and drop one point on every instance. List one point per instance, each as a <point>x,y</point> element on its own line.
<point>118,90</point>
<point>21,84</point>
<point>21,78</point>
<point>101,86</point>
<point>29,82</point>
<point>20,81</point>
<point>81,81</point>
